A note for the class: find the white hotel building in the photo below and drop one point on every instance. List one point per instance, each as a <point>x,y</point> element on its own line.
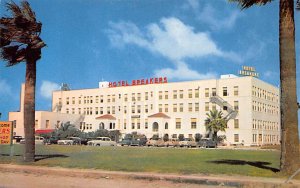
<point>170,108</point>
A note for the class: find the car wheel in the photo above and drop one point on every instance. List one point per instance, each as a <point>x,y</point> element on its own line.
<point>97,144</point>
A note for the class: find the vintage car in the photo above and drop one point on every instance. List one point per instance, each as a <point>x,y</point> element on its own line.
<point>37,139</point>
<point>138,142</point>
<point>69,141</point>
<point>102,141</point>
<point>207,143</point>
<point>188,142</point>
<point>155,142</point>
<point>173,142</point>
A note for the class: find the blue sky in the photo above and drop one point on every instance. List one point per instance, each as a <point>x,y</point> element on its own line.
<point>113,40</point>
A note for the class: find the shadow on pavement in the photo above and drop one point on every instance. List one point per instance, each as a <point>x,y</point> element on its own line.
<point>42,157</point>
<point>258,164</point>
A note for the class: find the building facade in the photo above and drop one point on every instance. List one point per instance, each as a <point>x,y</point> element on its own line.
<point>156,107</point>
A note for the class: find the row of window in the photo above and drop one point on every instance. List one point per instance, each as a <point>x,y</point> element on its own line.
<point>264,94</point>
<point>265,125</point>
<point>176,107</point>
<point>265,108</point>
<point>265,139</point>
<point>176,94</point>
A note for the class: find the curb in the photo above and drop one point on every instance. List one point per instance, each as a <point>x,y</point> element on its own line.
<point>213,180</point>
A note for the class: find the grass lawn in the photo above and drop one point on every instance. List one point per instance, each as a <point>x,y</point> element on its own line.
<point>163,160</point>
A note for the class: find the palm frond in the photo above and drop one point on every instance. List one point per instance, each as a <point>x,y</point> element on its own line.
<point>13,55</point>
<point>27,11</point>
<point>248,3</point>
<point>14,8</point>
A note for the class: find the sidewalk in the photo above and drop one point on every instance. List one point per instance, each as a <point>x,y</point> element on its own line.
<point>213,180</point>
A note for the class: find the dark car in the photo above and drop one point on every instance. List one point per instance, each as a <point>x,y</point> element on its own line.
<point>207,143</point>
<point>125,142</point>
<point>53,140</point>
<point>138,142</point>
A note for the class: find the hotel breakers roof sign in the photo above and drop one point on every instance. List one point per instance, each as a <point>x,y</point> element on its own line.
<point>248,71</point>
<point>160,80</point>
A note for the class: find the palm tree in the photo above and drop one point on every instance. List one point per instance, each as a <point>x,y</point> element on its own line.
<point>215,122</point>
<point>290,156</point>
<point>20,42</point>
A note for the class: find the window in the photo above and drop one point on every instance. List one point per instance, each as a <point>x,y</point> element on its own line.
<point>67,100</point>
<point>57,124</point>
<point>125,109</point>
<point>67,110</point>
<point>225,107</point>
<point>181,107</point>
<point>196,93</point>
<point>225,93</point>
<point>108,98</point>
<point>138,108</point>
<point>133,109</point>
<point>174,107</point>
<point>178,123</point>
<point>213,92</point>
<point>146,108</point>
<point>155,127</point>
<point>101,110</point>
<point>133,97</point>
<point>125,97</point>
<point>174,94</point>
<point>236,123</point>
<point>124,123</point>
<point>236,90</point>
<point>166,107</point>
<point>181,94</point>
<point>236,105</point>
<point>160,107</point>
<point>73,110</point>
<point>132,124</point>
<point>193,123</point>
<point>138,124</point>
<point>108,110</point>
<point>146,123</point>
<point>146,96</point>
<point>160,95</point>
<point>206,106</point>
<point>47,124</point>
<point>97,99</point>
<point>101,98</point>
<point>196,107</point>
<point>166,125</point>
<point>91,99</point>
<point>236,137</point>
<point>190,107</point>
<point>214,107</point>
<point>113,99</point>
<point>96,110</point>
<point>166,94</point>
<point>139,96</point>
<point>73,100</point>
<point>206,92</point>
<point>190,93</point>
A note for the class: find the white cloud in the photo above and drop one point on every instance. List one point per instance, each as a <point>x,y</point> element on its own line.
<point>47,88</point>
<point>170,38</point>
<point>217,21</point>
<point>174,40</point>
<point>182,72</point>
<point>270,74</point>
<point>5,88</point>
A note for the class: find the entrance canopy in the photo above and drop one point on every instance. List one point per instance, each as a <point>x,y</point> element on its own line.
<point>44,131</point>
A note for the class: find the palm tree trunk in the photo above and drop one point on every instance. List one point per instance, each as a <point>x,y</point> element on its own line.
<point>29,111</point>
<point>289,161</point>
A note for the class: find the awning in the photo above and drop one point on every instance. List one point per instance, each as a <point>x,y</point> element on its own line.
<point>159,115</point>
<point>107,116</point>
<point>44,131</point>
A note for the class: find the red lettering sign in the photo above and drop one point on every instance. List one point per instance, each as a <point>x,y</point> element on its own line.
<point>160,80</point>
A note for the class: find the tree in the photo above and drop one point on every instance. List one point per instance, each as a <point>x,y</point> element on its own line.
<point>290,155</point>
<point>20,42</point>
<point>67,130</point>
<point>215,122</point>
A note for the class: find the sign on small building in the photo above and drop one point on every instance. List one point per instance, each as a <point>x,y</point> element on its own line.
<point>248,71</point>
<point>5,132</point>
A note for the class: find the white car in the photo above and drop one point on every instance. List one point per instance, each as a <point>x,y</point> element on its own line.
<point>69,141</point>
<point>187,142</point>
<point>37,139</point>
<point>102,141</point>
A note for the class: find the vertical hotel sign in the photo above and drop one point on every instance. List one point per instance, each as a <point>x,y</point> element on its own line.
<point>5,132</point>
